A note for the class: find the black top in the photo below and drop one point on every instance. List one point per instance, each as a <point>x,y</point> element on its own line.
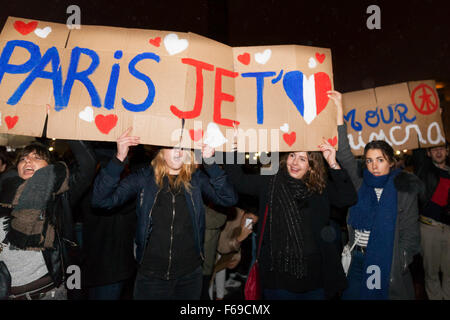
<point>171,251</point>
<point>322,255</point>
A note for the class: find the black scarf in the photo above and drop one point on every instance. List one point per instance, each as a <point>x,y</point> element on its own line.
<point>288,199</point>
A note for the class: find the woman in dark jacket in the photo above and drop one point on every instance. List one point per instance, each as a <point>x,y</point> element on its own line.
<point>384,223</point>
<point>35,209</point>
<point>299,255</point>
<point>170,216</point>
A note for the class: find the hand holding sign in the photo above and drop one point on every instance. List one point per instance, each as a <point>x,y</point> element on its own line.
<point>329,153</point>
<point>337,99</point>
<point>124,142</point>
<point>207,151</point>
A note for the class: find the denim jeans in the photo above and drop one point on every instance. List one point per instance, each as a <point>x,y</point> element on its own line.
<point>279,294</point>
<point>354,277</point>
<point>187,287</point>
<point>108,292</point>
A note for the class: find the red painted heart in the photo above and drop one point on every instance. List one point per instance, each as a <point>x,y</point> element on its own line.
<point>196,134</point>
<point>320,57</point>
<point>290,138</point>
<point>323,85</point>
<point>106,123</point>
<point>156,41</point>
<point>25,28</point>
<point>11,121</point>
<point>244,58</point>
<point>333,141</point>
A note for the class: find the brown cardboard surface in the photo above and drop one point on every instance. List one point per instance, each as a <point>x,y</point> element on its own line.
<point>226,95</point>
<point>396,120</point>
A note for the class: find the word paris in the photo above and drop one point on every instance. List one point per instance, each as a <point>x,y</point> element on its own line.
<point>406,115</point>
<point>95,82</point>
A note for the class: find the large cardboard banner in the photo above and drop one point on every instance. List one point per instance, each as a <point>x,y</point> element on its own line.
<point>170,87</point>
<point>406,115</point>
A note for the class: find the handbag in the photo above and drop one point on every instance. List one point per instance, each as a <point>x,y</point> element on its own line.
<point>346,257</point>
<point>252,290</point>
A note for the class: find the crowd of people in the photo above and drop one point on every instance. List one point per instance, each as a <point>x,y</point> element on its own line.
<point>161,227</point>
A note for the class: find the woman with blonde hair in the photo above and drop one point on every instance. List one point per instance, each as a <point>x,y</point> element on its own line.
<point>170,213</point>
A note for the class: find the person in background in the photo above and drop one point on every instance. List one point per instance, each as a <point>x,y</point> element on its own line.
<point>214,221</point>
<point>36,229</point>
<point>431,166</point>
<point>237,228</point>
<point>383,223</point>
<point>5,162</point>
<point>170,215</point>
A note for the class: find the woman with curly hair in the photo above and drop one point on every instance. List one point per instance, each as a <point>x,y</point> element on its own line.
<point>299,257</point>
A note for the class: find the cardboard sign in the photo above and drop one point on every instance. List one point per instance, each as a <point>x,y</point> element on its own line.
<point>172,88</point>
<point>406,115</point>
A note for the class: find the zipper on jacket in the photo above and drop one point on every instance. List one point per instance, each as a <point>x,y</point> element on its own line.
<point>148,227</point>
<point>141,198</point>
<point>171,236</point>
<point>198,240</point>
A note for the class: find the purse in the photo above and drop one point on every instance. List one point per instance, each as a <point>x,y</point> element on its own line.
<point>346,258</point>
<point>252,290</point>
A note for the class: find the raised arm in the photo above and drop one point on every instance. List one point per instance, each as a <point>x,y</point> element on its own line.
<point>344,154</point>
<point>109,191</point>
<point>340,187</point>
<point>215,186</point>
<point>250,184</point>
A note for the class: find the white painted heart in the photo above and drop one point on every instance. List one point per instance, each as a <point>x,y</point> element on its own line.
<point>263,57</point>
<point>174,45</point>
<point>87,114</point>
<point>312,63</point>
<point>285,128</point>
<point>43,33</point>
<point>214,137</point>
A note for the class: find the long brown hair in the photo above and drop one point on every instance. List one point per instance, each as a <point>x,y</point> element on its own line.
<point>316,177</point>
<point>183,178</point>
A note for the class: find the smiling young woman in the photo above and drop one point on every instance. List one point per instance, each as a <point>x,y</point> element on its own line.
<point>299,257</point>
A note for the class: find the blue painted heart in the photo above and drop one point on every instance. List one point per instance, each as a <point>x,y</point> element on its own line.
<point>309,94</point>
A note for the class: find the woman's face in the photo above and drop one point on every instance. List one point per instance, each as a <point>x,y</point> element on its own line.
<point>174,159</point>
<point>297,164</point>
<point>376,162</point>
<point>29,164</point>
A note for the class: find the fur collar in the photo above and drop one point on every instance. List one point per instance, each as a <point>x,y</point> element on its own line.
<point>408,182</point>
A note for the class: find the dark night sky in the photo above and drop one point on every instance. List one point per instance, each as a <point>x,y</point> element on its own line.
<point>413,43</point>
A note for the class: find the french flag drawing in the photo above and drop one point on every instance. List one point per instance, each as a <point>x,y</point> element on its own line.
<point>309,94</point>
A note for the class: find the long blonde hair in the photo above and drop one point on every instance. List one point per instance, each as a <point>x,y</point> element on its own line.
<point>184,177</point>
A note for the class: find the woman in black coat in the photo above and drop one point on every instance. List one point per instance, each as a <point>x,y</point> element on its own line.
<point>299,255</point>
